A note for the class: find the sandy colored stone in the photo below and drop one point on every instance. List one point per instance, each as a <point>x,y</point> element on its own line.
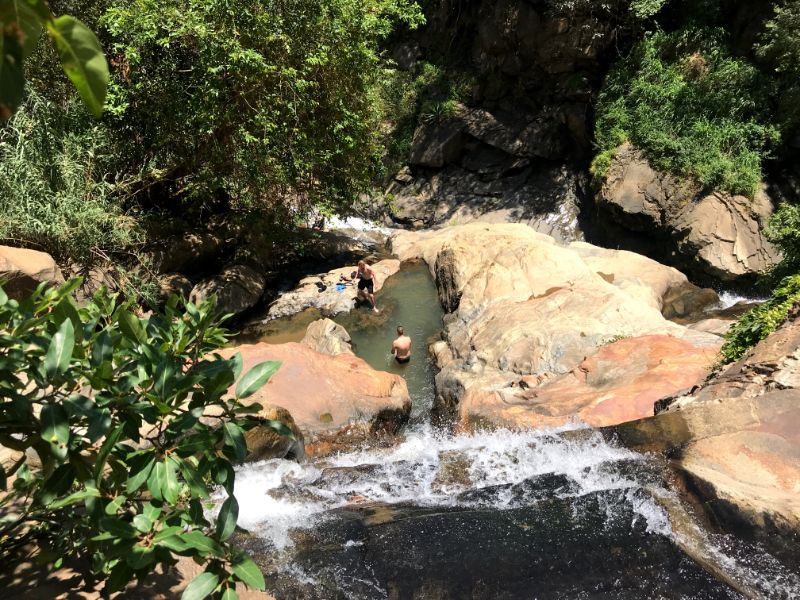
<point>21,270</point>
<point>523,306</point>
<point>325,394</point>
<point>327,337</point>
<point>264,442</point>
<point>319,291</point>
<point>718,234</point>
<point>742,455</point>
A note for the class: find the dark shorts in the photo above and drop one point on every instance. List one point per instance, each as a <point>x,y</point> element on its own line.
<point>367,284</point>
<point>402,361</point>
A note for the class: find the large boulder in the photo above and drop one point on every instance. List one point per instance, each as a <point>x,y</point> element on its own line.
<point>526,309</point>
<point>741,455</point>
<point>22,270</point>
<point>339,399</point>
<point>327,337</point>
<point>718,235</point>
<point>323,292</point>
<point>237,288</point>
<point>735,437</point>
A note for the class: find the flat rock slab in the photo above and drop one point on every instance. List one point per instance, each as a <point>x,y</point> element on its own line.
<point>741,454</point>
<point>621,382</point>
<point>321,292</point>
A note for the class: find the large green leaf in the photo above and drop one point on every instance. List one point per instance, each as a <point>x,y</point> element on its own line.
<point>102,348</point>
<point>233,437</point>
<point>226,521</point>
<point>55,424</point>
<point>105,450</point>
<point>255,378</point>
<point>157,480</point>
<point>202,543</point>
<point>201,586</point>
<point>171,487</point>
<point>131,326</point>
<point>248,572</point>
<point>82,58</point>
<point>60,351</point>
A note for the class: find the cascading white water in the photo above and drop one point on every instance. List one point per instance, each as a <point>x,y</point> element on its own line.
<point>413,472</point>
<point>488,471</point>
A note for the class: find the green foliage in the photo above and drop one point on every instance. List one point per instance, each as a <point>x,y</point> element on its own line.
<point>779,49</point>
<point>256,101</point>
<point>783,230</point>
<point>780,42</point>
<point>694,110</point>
<point>428,94</point>
<point>757,324</point>
<point>53,192</point>
<point>115,462</point>
<point>21,25</point>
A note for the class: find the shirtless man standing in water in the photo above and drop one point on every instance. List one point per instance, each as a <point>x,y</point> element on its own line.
<point>401,347</point>
<point>366,283</point>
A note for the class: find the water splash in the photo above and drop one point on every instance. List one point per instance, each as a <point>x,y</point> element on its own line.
<point>433,468</point>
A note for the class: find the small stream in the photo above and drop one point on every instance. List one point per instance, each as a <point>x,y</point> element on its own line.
<point>544,514</point>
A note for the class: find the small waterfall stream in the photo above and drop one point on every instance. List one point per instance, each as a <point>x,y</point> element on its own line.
<point>545,514</point>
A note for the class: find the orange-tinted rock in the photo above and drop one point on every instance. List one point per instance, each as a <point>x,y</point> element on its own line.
<point>326,394</point>
<point>619,383</point>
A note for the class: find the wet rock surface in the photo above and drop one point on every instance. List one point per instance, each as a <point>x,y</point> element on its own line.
<point>736,437</point>
<point>413,552</point>
<point>497,189</point>
<point>327,292</point>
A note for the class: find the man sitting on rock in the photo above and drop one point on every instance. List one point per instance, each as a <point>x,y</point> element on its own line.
<point>401,347</point>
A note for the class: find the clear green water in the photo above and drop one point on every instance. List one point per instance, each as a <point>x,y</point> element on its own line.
<point>409,299</point>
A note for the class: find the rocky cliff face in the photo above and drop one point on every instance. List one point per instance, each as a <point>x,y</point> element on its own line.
<point>711,235</point>
<point>511,154</point>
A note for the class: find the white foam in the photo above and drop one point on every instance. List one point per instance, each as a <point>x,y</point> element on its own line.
<point>355,223</point>
<point>414,471</point>
<point>728,299</point>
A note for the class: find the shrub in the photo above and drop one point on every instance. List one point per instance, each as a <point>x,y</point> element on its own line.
<point>53,190</point>
<point>758,323</point>
<point>783,230</point>
<point>693,109</point>
<point>264,102</point>
<point>110,406</point>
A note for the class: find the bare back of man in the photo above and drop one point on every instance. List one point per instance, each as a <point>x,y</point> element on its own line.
<point>401,346</point>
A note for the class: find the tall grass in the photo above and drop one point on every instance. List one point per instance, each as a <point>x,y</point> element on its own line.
<point>56,193</point>
<point>694,110</point>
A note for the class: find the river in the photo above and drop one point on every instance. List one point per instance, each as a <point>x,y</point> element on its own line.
<point>546,514</point>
